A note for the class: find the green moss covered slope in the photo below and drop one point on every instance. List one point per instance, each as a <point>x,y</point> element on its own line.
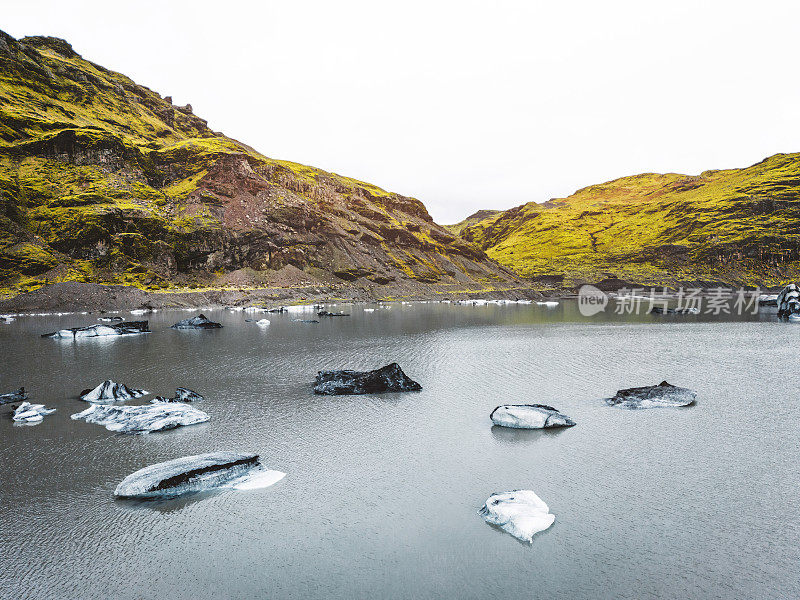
<point>735,226</point>
<point>103,180</point>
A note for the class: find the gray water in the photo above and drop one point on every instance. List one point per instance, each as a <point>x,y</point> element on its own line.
<point>382,492</point>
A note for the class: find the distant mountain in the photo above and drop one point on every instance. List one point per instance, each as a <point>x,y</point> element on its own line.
<point>103,180</point>
<point>734,226</point>
<point>472,220</point>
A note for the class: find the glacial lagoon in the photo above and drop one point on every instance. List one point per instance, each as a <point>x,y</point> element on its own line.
<point>382,492</point>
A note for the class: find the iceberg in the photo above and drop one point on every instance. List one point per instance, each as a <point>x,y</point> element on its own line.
<point>108,391</point>
<point>109,319</point>
<point>653,396</point>
<point>259,322</point>
<point>325,313</point>
<point>142,419</point>
<point>198,473</point>
<point>124,328</point>
<point>6,319</point>
<point>20,394</point>
<point>390,378</point>
<point>181,395</point>
<point>788,301</point>
<point>198,322</point>
<point>31,413</point>
<point>529,416</point>
<point>520,512</point>
<point>548,303</point>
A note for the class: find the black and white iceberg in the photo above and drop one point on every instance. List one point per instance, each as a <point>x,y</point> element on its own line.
<point>198,322</point>
<point>386,379</point>
<point>159,416</point>
<point>125,328</point>
<point>17,396</point>
<point>196,474</point>
<point>653,396</point>
<point>181,395</point>
<point>520,512</point>
<point>31,413</point>
<point>529,416</point>
<point>109,391</point>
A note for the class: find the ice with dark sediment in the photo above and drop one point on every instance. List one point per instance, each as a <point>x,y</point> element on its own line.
<point>520,512</point>
<point>158,416</point>
<point>109,391</point>
<point>109,319</point>
<point>529,416</point>
<point>202,472</point>
<point>124,328</point>
<point>198,322</point>
<point>181,395</point>
<point>653,396</point>
<point>390,378</point>
<point>31,413</point>
<point>788,301</point>
<point>17,396</point>
<point>259,322</point>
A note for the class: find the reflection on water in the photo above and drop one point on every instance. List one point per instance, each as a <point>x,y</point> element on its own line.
<point>382,492</point>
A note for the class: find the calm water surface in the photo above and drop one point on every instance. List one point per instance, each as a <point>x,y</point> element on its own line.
<point>381,494</point>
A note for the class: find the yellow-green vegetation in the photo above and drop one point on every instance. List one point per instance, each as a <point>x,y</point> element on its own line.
<point>103,180</point>
<point>735,226</point>
<point>471,220</point>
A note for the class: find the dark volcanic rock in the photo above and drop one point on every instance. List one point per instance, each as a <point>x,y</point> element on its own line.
<point>386,379</point>
<point>125,328</point>
<point>663,394</point>
<point>198,322</point>
<point>17,396</point>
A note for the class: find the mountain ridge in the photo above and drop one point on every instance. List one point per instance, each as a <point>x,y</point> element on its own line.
<point>104,181</point>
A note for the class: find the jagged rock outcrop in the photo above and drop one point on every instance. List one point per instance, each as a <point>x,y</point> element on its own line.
<point>103,180</point>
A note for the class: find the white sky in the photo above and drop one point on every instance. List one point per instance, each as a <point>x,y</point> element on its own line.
<point>464,105</point>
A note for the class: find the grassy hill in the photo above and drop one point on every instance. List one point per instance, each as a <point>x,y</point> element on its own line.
<point>734,226</point>
<point>102,180</point>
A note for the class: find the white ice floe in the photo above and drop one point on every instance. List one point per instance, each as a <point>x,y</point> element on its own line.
<point>142,419</point>
<point>109,391</point>
<point>369,310</point>
<point>529,416</point>
<point>31,413</point>
<point>299,308</point>
<point>548,303</point>
<point>520,512</point>
<point>253,309</point>
<point>198,473</point>
<point>262,322</point>
<point>6,319</point>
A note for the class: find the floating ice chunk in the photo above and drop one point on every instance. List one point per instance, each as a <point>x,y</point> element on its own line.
<point>142,419</point>
<point>181,395</point>
<point>520,512</point>
<point>6,319</point>
<point>141,311</point>
<point>653,396</point>
<point>109,319</point>
<point>548,303</point>
<point>31,413</point>
<point>108,391</point>
<point>125,328</point>
<point>325,313</point>
<point>386,379</point>
<point>529,416</point>
<point>196,474</point>
<point>198,322</point>
<point>369,310</point>
<point>298,308</point>
<point>20,394</point>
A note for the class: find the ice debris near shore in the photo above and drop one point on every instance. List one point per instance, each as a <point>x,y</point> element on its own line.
<point>529,416</point>
<point>159,416</point>
<point>6,319</point>
<point>198,473</point>
<point>653,396</point>
<point>325,313</point>
<point>198,322</point>
<point>110,319</point>
<point>390,378</point>
<point>20,394</point>
<point>181,395</point>
<point>31,413</point>
<point>548,303</point>
<point>259,322</point>
<point>109,391</point>
<point>659,310</point>
<point>124,328</point>
<point>520,512</point>
<point>788,301</point>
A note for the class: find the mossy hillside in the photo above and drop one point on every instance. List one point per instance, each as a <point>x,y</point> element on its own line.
<point>117,184</point>
<point>736,225</point>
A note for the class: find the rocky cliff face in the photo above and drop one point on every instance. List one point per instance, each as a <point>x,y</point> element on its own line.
<point>103,180</point>
<point>736,226</point>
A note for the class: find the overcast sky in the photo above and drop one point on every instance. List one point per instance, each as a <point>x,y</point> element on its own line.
<point>464,105</point>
